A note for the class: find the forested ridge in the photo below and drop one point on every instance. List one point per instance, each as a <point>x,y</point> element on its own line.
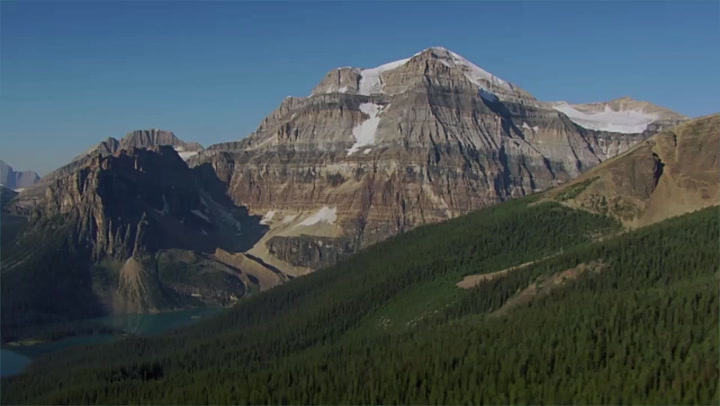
<point>389,326</point>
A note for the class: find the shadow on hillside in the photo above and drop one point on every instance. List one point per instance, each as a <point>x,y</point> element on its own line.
<point>505,114</point>
<point>248,230</point>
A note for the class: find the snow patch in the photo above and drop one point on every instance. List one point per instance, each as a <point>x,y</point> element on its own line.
<point>364,132</point>
<point>471,71</point>
<point>201,215</point>
<point>185,155</point>
<point>370,80</point>
<point>324,215</point>
<point>267,218</point>
<point>20,189</point>
<point>626,122</point>
<point>367,151</point>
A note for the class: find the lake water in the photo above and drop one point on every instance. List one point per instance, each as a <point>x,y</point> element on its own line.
<point>14,359</point>
<point>12,363</point>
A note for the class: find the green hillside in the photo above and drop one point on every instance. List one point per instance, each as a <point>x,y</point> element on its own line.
<point>600,316</point>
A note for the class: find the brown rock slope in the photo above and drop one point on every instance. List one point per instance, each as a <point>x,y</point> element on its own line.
<point>135,231</point>
<point>669,174</point>
<point>375,152</point>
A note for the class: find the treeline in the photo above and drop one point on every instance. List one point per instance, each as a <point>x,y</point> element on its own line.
<point>644,329</point>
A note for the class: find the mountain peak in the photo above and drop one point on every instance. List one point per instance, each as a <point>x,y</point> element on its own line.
<point>155,137</point>
<point>437,48</point>
<point>474,73</point>
<point>12,179</point>
<point>369,81</point>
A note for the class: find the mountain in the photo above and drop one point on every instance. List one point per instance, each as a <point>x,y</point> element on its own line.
<point>131,228</point>
<point>375,152</point>
<point>623,115</point>
<point>134,139</point>
<point>6,195</point>
<point>535,300</point>
<point>135,231</point>
<point>14,180</point>
<point>144,139</point>
<point>666,175</point>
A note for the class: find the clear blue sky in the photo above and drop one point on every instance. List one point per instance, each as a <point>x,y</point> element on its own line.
<point>73,73</point>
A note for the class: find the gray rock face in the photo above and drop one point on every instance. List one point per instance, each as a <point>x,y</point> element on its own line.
<point>387,149</point>
<point>13,179</point>
<point>303,250</point>
<point>155,137</point>
<point>135,139</point>
<point>135,231</point>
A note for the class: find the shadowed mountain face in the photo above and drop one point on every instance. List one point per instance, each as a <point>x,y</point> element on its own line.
<point>671,173</point>
<point>375,152</point>
<point>12,179</point>
<point>131,232</point>
<point>135,139</point>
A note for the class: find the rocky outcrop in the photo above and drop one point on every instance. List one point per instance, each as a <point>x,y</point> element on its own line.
<point>135,231</point>
<point>136,139</point>
<point>309,251</point>
<point>669,174</point>
<point>140,139</point>
<point>6,195</point>
<point>14,180</point>
<point>387,149</point>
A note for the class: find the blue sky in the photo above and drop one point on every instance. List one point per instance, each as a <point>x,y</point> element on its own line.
<point>74,73</point>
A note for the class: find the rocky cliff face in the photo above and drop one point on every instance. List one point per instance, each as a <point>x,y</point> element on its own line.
<point>672,173</point>
<point>135,231</point>
<point>135,139</point>
<point>374,152</point>
<point>141,139</point>
<point>13,180</point>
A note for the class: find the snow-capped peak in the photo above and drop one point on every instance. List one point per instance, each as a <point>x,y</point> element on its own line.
<point>471,71</point>
<point>371,80</point>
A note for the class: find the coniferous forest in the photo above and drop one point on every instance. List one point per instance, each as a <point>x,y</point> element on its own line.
<point>598,315</point>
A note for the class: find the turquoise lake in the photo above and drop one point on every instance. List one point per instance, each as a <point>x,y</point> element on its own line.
<point>14,359</point>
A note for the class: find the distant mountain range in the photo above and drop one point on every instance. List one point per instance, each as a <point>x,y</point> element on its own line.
<point>14,180</point>
<point>151,222</point>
